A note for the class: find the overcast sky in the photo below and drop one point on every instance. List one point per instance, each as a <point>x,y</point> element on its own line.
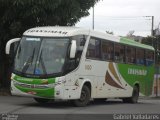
<point>122,16</point>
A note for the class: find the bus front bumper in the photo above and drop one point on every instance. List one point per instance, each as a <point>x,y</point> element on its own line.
<point>50,91</point>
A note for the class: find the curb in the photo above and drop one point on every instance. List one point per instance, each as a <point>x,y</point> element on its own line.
<point>150,98</point>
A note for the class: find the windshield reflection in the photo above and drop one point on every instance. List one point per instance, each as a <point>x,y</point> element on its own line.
<point>41,56</point>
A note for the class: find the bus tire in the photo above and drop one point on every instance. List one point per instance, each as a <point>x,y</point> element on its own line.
<point>135,95</point>
<point>41,100</point>
<point>84,97</point>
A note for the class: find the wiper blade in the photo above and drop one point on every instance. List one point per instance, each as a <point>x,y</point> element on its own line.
<point>42,63</point>
<point>28,62</point>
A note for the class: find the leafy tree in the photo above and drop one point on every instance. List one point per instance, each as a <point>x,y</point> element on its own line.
<point>16,16</point>
<point>155,42</point>
<point>148,40</point>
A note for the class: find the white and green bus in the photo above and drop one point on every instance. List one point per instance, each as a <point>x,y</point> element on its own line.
<point>70,63</point>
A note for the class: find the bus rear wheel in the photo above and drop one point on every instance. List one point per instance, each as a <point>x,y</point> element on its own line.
<point>135,95</point>
<point>41,100</point>
<point>84,98</point>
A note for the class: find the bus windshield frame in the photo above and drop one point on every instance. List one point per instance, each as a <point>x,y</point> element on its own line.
<point>41,57</point>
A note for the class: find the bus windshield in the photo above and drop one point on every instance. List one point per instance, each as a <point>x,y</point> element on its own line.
<point>41,56</point>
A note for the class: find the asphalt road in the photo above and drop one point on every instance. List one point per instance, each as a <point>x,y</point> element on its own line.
<point>27,108</point>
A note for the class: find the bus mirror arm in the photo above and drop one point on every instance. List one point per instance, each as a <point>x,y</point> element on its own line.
<point>8,45</point>
<point>73,49</point>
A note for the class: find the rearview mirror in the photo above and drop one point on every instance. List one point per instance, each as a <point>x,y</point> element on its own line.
<point>8,45</point>
<point>73,49</point>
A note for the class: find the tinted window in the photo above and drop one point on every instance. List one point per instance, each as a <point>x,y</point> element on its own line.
<point>93,49</point>
<point>140,56</point>
<point>107,50</point>
<point>80,42</point>
<point>149,57</point>
<point>130,54</point>
<point>119,53</point>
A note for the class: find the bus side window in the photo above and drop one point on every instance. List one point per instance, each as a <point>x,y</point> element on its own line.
<point>130,54</point>
<point>81,40</point>
<point>140,56</point>
<point>149,57</point>
<point>93,50</point>
<point>107,50</point>
<point>119,53</point>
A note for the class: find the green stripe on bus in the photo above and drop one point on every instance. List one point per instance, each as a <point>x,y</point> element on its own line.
<point>134,43</point>
<point>48,93</point>
<point>33,80</point>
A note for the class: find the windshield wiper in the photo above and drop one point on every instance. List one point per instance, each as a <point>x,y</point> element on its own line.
<point>42,63</point>
<point>28,62</point>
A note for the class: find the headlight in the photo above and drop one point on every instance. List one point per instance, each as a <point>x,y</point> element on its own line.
<point>60,80</point>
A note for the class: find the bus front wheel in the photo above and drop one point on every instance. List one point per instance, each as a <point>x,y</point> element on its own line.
<point>84,98</point>
<point>134,97</point>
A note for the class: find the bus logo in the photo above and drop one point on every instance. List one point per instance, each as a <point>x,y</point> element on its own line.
<point>132,71</point>
<point>88,67</point>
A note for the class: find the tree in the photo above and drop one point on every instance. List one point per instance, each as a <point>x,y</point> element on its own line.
<point>154,41</point>
<point>148,40</point>
<point>16,16</point>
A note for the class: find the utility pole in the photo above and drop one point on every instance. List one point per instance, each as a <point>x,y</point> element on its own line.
<point>152,34</point>
<point>152,26</point>
<point>93,19</point>
<point>158,29</point>
<point>155,44</point>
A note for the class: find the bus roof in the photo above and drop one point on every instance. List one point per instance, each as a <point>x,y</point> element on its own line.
<point>57,31</point>
<point>134,43</point>
<point>66,31</point>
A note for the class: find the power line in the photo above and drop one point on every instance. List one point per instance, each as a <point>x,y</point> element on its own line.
<point>126,18</point>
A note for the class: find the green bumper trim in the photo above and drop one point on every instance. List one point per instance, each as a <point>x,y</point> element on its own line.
<point>48,93</point>
<point>33,80</point>
<point>40,92</point>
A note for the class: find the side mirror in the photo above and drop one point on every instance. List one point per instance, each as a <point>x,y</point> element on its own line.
<point>73,49</point>
<point>8,45</point>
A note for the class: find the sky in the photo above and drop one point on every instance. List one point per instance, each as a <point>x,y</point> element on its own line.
<point>122,16</point>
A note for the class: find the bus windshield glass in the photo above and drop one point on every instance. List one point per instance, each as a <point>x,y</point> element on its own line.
<point>41,56</point>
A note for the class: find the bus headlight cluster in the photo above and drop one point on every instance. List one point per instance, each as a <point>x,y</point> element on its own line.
<point>60,80</point>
